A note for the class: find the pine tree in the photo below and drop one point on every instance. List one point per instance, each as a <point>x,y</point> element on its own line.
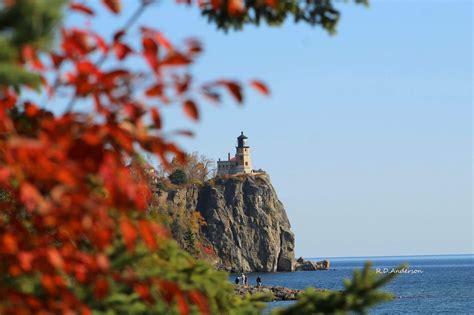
<point>17,33</point>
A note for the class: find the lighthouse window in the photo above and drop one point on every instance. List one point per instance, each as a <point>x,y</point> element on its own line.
<point>246,163</point>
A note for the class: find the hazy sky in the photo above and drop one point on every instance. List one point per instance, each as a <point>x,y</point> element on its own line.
<point>367,134</point>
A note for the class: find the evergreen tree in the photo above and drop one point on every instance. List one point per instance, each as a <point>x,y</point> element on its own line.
<point>25,26</point>
<point>178,177</point>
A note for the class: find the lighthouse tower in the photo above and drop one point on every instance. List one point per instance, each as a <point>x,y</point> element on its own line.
<point>240,163</point>
<point>242,154</point>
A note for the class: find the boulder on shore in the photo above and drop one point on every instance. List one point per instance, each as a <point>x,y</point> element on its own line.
<point>307,265</point>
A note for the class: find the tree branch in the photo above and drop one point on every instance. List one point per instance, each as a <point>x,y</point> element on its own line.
<point>128,24</point>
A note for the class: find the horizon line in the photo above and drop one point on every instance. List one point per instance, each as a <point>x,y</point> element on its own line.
<point>382,256</point>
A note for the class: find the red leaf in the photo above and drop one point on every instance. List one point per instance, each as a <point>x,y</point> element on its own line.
<point>65,176</point>
<point>100,42</point>
<point>80,272</point>
<point>194,46</point>
<point>155,116</point>
<point>150,52</point>
<point>7,100</point>
<point>103,238</point>
<point>85,311</point>
<point>31,110</point>
<point>216,4</point>
<point>56,59</point>
<point>175,59</point>
<point>10,244</point>
<point>198,299</point>
<point>235,7</point>
<point>92,138</point>
<point>55,258</point>
<point>144,292</point>
<point>158,36</point>
<point>271,3</point>
<point>260,87</point>
<point>101,288</point>
<point>156,90</point>
<point>28,52</point>
<point>4,176</point>
<point>122,137</point>
<point>79,7</point>
<point>86,66</point>
<point>29,196</point>
<point>234,88</point>
<point>113,5</point>
<point>182,303</point>
<point>163,41</point>
<point>129,233</point>
<point>76,41</point>
<point>118,35</point>
<point>121,50</point>
<point>146,232</point>
<point>25,258</point>
<point>48,283</point>
<point>103,262</point>
<point>191,110</point>
<point>29,55</point>
<point>182,84</point>
<point>169,290</point>
<point>149,46</point>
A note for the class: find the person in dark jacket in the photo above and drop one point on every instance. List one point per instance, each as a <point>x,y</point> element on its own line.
<point>259,282</point>
<point>237,280</point>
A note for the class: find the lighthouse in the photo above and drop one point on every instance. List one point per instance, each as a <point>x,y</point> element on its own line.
<point>240,163</point>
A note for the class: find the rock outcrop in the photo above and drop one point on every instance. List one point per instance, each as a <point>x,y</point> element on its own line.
<point>307,265</point>
<point>246,224</point>
<point>276,292</point>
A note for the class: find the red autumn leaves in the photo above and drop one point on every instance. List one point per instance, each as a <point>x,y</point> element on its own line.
<point>148,231</point>
<point>70,186</point>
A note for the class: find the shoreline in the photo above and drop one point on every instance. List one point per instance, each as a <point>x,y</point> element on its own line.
<point>279,293</point>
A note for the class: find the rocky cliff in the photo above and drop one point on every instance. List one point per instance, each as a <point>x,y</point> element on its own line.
<point>246,224</point>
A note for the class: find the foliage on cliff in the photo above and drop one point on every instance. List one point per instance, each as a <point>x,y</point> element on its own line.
<point>75,234</point>
<point>184,224</point>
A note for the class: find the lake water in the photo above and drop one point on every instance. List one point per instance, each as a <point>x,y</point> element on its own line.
<point>445,285</point>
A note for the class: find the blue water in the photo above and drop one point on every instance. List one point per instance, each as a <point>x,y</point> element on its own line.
<point>446,284</point>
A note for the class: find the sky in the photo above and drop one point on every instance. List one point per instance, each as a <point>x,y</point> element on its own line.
<point>367,135</point>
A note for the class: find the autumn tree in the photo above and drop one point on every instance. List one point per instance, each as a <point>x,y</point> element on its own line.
<point>197,167</point>
<point>75,236</point>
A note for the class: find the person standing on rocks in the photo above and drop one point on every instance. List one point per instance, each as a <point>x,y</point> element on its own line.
<point>237,280</point>
<point>244,279</point>
<point>259,282</point>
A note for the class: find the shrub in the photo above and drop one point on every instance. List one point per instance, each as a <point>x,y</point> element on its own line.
<point>178,177</point>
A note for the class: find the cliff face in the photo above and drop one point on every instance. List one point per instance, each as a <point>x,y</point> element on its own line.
<point>246,224</point>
